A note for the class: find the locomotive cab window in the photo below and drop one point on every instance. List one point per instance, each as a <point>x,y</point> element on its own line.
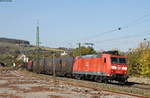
<point>104,60</point>
<point>122,60</point>
<point>114,60</point>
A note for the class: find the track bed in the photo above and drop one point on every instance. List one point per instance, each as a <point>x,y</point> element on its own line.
<point>22,84</point>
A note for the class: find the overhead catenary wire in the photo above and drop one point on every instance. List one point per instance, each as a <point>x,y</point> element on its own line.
<point>124,43</point>
<point>124,40</point>
<point>135,22</point>
<point>130,24</point>
<point>106,32</point>
<point>125,37</point>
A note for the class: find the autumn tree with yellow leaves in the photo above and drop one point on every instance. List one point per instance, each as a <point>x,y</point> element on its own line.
<point>139,59</point>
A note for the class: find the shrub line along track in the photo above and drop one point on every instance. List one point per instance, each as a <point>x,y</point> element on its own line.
<point>132,90</point>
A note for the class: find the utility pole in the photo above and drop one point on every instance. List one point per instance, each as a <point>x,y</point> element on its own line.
<point>37,43</point>
<point>79,49</point>
<point>37,35</point>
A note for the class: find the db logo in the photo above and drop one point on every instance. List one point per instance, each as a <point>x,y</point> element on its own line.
<point>119,67</point>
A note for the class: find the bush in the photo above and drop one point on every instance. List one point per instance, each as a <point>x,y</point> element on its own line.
<point>139,60</point>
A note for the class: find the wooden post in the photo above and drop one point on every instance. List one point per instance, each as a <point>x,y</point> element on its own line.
<point>54,72</point>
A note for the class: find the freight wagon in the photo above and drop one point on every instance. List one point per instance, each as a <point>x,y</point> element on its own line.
<point>63,66</point>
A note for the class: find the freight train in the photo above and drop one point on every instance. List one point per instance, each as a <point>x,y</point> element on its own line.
<point>101,67</point>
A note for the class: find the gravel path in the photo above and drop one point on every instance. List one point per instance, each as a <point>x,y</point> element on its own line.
<point>17,84</point>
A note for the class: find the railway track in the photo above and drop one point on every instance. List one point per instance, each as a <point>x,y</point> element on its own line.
<point>134,85</point>
<point>132,89</point>
<point>140,86</point>
<point>20,84</point>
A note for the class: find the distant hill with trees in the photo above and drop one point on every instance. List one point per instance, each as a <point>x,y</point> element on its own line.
<point>14,41</point>
<point>10,49</point>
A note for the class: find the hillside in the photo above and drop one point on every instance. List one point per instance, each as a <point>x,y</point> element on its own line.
<point>11,48</point>
<point>14,41</point>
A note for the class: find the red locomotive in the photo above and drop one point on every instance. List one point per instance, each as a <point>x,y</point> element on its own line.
<point>102,68</point>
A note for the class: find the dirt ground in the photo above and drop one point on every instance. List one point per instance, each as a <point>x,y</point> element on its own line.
<point>17,84</point>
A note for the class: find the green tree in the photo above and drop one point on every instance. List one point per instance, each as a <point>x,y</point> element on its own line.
<point>83,51</point>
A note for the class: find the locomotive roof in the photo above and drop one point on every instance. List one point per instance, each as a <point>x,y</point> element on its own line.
<point>98,55</point>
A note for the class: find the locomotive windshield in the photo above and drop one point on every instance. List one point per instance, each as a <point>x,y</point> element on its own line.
<point>115,60</point>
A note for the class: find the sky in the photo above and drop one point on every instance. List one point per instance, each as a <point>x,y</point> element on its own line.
<point>64,23</point>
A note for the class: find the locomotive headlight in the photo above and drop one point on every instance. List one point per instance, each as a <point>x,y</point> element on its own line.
<point>124,68</point>
<point>113,67</point>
